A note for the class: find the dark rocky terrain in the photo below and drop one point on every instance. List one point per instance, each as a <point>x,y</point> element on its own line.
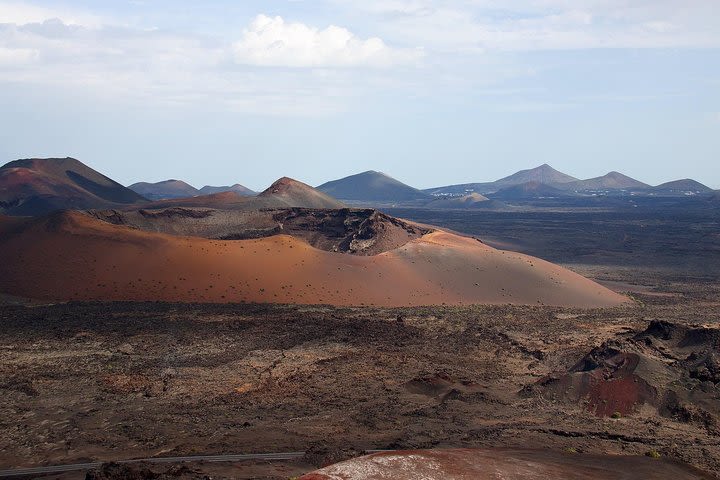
<point>120,380</point>
<point>654,238</point>
<point>669,367</point>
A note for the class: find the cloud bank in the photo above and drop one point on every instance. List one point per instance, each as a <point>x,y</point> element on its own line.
<point>271,41</point>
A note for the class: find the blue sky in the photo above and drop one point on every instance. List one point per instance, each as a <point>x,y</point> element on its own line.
<point>430,92</point>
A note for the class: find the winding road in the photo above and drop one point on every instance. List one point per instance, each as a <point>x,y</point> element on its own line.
<point>21,472</point>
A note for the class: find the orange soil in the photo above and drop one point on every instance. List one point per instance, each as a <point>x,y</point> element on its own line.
<point>487,464</point>
<point>70,256</point>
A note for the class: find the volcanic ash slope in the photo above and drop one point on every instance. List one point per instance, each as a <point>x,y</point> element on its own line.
<point>72,256</point>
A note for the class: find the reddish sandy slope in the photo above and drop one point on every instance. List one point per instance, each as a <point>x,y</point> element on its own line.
<point>72,256</point>
<point>481,464</point>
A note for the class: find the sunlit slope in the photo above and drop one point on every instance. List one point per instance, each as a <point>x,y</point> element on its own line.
<point>71,256</point>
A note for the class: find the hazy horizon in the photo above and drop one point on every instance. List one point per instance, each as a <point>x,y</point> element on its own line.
<point>263,187</point>
<point>430,93</point>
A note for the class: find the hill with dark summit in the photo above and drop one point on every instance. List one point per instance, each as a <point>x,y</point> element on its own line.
<point>542,174</point>
<point>372,186</point>
<point>38,186</point>
<point>237,188</point>
<point>165,189</point>
<point>529,191</point>
<point>681,187</point>
<point>609,181</point>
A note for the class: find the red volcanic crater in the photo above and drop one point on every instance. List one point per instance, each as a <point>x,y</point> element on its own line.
<point>73,256</point>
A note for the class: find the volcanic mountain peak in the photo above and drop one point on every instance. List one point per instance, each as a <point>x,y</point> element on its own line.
<point>284,184</point>
<point>65,169</point>
<point>288,192</point>
<point>47,165</point>
<point>36,186</point>
<point>542,174</point>
<point>684,185</point>
<point>372,186</point>
<point>171,181</point>
<point>610,181</point>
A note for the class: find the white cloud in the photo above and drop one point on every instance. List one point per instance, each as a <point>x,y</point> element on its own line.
<point>168,70</point>
<point>17,56</point>
<point>533,107</point>
<point>530,25</point>
<point>24,13</point>
<point>456,42</point>
<point>271,41</point>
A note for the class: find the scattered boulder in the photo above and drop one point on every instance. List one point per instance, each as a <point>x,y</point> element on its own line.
<point>321,454</point>
<point>125,471</point>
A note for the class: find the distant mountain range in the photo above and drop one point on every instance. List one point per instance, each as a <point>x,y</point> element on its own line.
<point>283,193</point>
<point>169,189</point>
<point>543,182</point>
<point>543,174</point>
<point>612,183</point>
<point>237,188</point>
<point>165,189</point>
<point>609,181</point>
<point>37,186</point>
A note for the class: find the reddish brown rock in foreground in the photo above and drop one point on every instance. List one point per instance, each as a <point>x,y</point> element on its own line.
<point>492,464</point>
<point>671,368</point>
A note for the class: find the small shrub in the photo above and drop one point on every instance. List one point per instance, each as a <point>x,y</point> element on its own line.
<point>616,415</point>
<point>652,454</point>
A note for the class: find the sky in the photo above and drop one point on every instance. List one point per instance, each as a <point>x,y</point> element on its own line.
<point>430,92</point>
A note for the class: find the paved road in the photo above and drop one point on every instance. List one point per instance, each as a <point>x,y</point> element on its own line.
<point>204,458</point>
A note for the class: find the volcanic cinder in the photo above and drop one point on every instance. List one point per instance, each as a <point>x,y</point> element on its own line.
<point>73,256</point>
